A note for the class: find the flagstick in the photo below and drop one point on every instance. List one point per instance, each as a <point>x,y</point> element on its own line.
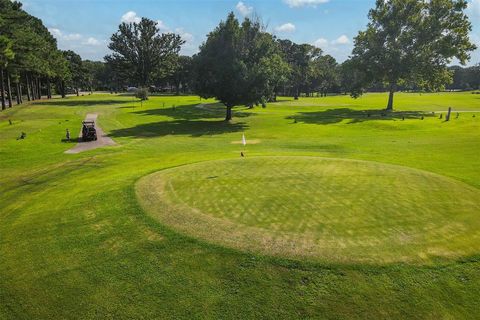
<point>244,142</point>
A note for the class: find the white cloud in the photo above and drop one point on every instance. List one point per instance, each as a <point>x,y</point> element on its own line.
<point>72,36</point>
<point>59,35</point>
<point>339,48</point>
<point>304,3</point>
<point>243,9</point>
<point>55,32</point>
<point>162,26</point>
<point>343,39</point>
<point>286,27</point>
<point>186,36</point>
<point>130,17</point>
<point>320,43</point>
<point>91,41</point>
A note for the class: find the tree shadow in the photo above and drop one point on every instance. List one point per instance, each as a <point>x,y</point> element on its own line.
<point>332,116</point>
<point>194,112</point>
<point>193,128</point>
<point>77,103</point>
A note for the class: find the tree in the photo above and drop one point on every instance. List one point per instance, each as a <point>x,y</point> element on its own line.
<point>412,42</point>
<point>274,72</point>
<point>324,74</point>
<point>76,69</point>
<point>141,53</point>
<point>182,74</point>
<point>465,78</point>
<point>36,54</point>
<point>6,55</point>
<point>300,57</point>
<point>142,94</point>
<point>231,64</point>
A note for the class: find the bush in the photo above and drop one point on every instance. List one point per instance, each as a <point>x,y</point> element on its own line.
<point>142,93</point>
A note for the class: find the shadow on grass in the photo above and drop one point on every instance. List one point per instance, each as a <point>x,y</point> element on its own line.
<point>331,116</point>
<point>79,102</point>
<point>193,128</point>
<point>74,140</point>
<point>194,112</point>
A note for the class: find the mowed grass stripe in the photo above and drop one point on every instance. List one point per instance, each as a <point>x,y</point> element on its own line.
<point>324,209</point>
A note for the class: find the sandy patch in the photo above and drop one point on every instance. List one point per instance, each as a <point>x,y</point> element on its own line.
<point>252,141</point>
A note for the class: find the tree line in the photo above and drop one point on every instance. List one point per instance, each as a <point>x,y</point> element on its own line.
<point>31,65</point>
<point>407,45</point>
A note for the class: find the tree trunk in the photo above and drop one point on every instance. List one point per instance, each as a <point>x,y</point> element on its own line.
<point>27,87</point>
<point>9,88</point>
<point>228,116</point>
<point>62,88</point>
<point>20,91</point>
<point>2,89</point>
<point>33,88</point>
<point>390,97</point>
<point>17,91</point>
<point>49,89</point>
<point>78,92</point>
<point>39,84</point>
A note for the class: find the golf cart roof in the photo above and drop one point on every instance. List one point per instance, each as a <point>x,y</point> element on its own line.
<point>89,123</point>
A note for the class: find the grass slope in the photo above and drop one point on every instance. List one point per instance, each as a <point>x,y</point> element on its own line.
<point>74,242</point>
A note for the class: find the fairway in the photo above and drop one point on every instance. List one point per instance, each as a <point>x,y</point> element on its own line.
<point>330,212</point>
<point>326,209</point>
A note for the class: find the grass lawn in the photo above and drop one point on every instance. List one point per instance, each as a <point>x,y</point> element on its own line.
<point>402,224</point>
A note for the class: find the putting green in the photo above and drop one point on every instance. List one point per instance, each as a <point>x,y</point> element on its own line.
<point>318,208</point>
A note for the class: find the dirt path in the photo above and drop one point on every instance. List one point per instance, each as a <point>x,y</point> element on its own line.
<point>102,139</point>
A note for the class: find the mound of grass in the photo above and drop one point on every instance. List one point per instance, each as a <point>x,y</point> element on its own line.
<point>329,209</point>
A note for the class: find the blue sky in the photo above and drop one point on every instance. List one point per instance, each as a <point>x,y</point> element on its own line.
<point>85,26</point>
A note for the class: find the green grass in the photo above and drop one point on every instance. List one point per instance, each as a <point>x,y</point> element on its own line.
<point>323,209</point>
<point>75,242</point>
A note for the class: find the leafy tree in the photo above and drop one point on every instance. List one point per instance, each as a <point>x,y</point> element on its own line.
<point>324,74</point>
<point>274,72</point>
<point>76,69</point>
<point>141,53</point>
<point>412,42</point>
<point>300,57</point>
<point>181,77</point>
<point>142,94</point>
<point>233,64</point>
<point>465,78</point>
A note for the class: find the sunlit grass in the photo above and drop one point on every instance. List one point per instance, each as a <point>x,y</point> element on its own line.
<point>74,242</point>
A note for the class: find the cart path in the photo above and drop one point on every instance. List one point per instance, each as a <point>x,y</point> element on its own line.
<point>102,139</point>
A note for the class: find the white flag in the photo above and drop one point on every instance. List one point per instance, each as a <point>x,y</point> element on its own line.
<point>244,141</point>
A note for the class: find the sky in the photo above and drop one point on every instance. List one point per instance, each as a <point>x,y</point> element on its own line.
<point>86,26</point>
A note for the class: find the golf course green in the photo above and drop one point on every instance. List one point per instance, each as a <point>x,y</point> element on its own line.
<point>331,209</point>
<point>337,210</point>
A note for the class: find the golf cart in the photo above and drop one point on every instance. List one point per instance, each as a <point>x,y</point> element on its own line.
<point>88,130</point>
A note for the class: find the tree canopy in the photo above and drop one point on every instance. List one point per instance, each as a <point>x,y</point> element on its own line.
<point>411,42</point>
<point>140,53</point>
<point>236,64</point>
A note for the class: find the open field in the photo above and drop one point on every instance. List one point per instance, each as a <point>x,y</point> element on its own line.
<point>75,242</point>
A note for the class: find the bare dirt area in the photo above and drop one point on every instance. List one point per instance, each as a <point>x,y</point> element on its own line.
<point>102,139</point>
